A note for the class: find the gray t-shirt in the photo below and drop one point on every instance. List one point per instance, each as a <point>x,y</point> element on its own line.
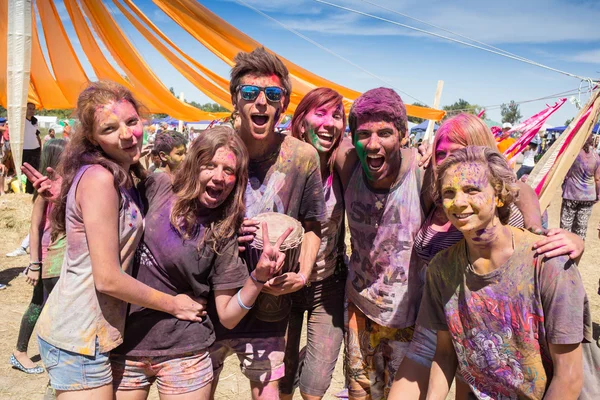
<point>501,323</point>
<point>579,184</point>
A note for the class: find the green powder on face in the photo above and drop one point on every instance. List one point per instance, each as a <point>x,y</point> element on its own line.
<point>362,156</point>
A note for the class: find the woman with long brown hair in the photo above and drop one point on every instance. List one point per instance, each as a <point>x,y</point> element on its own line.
<point>320,120</point>
<point>97,208</point>
<point>190,246</point>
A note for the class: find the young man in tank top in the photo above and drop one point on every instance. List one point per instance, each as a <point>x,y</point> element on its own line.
<point>284,177</point>
<point>382,184</point>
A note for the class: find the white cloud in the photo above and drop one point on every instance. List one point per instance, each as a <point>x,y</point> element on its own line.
<point>590,57</point>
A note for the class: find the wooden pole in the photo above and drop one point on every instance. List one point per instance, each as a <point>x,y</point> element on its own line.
<point>428,138</point>
<point>180,125</point>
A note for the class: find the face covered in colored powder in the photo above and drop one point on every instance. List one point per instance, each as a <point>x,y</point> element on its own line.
<point>444,148</point>
<point>218,178</point>
<point>468,198</point>
<point>258,118</point>
<point>118,131</point>
<point>378,147</point>
<point>322,126</point>
<point>175,157</point>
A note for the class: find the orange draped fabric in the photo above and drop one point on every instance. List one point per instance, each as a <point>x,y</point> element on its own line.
<point>226,41</point>
<point>51,95</point>
<point>220,81</point>
<point>133,64</point>
<point>69,73</point>
<point>102,67</point>
<point>62,89</point>
<point>213,91</point>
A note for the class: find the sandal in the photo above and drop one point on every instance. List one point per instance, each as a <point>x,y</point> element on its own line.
<point>17,365</point>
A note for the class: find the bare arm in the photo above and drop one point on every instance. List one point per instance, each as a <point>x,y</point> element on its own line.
<point>443,367</point>
<point>345,160</point>
<point>528,203</point>
<point>567,379</point>
<point>100,215</point>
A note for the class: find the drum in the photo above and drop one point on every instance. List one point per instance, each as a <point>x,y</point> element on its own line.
<point>271,308</point>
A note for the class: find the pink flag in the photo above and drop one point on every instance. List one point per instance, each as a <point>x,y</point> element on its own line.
<point>530,128</point>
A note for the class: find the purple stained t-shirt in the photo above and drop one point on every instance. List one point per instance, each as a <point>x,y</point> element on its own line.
<point>173,265</point>
<point>501,323</point>
<point>579,184</point>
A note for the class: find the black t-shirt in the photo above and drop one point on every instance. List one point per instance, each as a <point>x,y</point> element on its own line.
<point>287,182</point>
<point>170,264</point>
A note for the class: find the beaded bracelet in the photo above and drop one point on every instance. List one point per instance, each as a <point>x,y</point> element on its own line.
<point>241,303</point>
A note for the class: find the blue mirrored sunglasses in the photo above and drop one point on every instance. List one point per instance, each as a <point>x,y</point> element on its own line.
<point>251,92</point>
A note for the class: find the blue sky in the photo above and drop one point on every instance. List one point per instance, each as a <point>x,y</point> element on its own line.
<point>562,34</point>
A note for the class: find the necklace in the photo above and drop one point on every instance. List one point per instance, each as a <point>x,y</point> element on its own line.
<point>470,267</point>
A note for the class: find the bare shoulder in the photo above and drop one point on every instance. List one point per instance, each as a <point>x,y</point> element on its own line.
<point>96,182</point>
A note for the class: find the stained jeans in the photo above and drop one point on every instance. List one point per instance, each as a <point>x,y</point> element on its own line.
<point>312,368</point>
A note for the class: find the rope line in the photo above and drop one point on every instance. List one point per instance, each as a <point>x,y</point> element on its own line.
<point>453,40</point>
<point>445,30</point>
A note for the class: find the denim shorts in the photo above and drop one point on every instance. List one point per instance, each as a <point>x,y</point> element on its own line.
<point>72,371</point>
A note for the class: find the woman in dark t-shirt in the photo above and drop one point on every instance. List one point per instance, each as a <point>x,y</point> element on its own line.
<point>190,246</point>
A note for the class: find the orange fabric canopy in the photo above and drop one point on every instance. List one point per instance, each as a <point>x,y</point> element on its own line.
<point>60,87</point>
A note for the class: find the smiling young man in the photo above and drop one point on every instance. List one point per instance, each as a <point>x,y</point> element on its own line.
<point>382,183</point>
<point>284,177</point>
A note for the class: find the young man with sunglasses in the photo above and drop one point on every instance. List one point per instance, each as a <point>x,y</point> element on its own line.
<point>284,177</point>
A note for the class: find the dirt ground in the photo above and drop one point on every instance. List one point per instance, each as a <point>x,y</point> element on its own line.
<point>14,223</point>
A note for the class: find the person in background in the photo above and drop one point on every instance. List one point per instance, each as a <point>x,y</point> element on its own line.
<point>156,162</point>
<point>581,190</point>
<point>170,146</point>
<point>45,263</point>
<point>32,145</point>
<point>67,130</point>
<point>528,160</point>
<point>50,135</point>
<point>505,140</point>
<point>511,323</point>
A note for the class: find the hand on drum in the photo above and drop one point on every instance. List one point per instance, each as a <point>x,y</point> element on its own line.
<point>271,259</point>
<point>46,187</point>
<point>289,282</point>
<point>246,233</point>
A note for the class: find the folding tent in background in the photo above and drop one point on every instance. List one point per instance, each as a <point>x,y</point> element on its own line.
<point>57,85</point>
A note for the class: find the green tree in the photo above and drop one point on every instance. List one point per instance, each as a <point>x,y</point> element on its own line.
<point>567,122</point>
<point>461,106</point>
<point>2,111</point>
<point>66,113</point>
<point>510,112</point>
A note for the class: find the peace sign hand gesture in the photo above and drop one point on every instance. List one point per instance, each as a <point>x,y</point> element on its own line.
<point>47,186</point>
<point>271,259</point>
